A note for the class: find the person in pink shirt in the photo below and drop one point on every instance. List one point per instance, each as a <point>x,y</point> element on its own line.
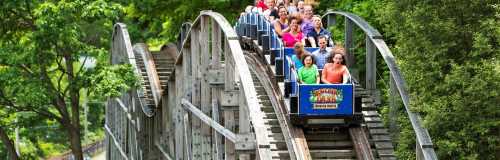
<point>294,35</point>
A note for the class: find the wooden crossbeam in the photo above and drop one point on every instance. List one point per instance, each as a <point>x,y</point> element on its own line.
<point>115,142</point>
<point>204,118</point>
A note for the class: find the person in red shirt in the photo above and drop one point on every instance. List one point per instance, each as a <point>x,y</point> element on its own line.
<point>335,71</point>
<point>260,4</point>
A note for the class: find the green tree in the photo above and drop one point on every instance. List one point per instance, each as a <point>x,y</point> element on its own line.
<point>5,131</point>
<point>159,21</point>
<point>449,52</point>
<point>44,47</point>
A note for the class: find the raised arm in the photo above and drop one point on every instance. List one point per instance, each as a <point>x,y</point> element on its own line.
<point>317,79</point>
<point>303,41</point>
<point>312,41</point>
<point>345,76</point>
<point>324,75</point>
<point>277,28</point>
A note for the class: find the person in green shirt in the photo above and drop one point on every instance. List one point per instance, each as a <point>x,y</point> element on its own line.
<point>309,73</point>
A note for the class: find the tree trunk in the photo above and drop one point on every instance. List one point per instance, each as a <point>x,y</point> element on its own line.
<point>8,144</point>
<point>75,143</point>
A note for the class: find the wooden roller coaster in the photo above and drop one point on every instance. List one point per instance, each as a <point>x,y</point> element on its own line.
<point>218,95</point>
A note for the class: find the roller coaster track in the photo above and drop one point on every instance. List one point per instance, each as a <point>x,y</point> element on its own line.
<point>314,143</point>
<point>216,95</point>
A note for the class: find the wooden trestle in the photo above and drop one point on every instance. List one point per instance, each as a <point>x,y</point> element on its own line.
<point>215,100</point>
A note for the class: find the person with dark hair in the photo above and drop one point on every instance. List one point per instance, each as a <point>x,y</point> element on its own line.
<point>321,55</point>
<point>294,35</point>
<point>309,73</point>
<point>335,71</point>
<point>300,52</point>
<point>281,24</point>
<point>318,30</point>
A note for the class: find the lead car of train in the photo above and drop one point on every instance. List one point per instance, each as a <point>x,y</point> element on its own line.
<point>310,104</point>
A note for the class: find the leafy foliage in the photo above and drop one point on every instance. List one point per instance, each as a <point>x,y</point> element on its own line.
<point>159,20</point>
<point>450,62</point>
<point>451,65</point>
<point>44,50</point>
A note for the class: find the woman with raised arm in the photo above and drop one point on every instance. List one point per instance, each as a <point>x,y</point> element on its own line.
<point>335,71</point>
<point>294,35</point>
<point>281,24</point>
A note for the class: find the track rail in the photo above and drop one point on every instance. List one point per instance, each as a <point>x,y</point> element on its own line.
<point>234,90</point>
<point>293,136</point>
<point>374,42</point>
<point>310,142</point>
<point>155,70</point>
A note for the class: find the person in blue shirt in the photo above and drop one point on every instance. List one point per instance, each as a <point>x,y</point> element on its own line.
<point>321,55</point>
<point>318,30</point>
<point>300,53</point>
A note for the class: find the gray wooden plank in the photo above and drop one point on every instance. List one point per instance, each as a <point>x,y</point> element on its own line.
<point>217,147</point>
<point>371,66</point>
<point>207,120</point>
<point>178,115</point>
<point>206,97</point>
<point>370,113</point>
<point>229,148</point>
<point>376,125</point>
<point>195,90</point>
